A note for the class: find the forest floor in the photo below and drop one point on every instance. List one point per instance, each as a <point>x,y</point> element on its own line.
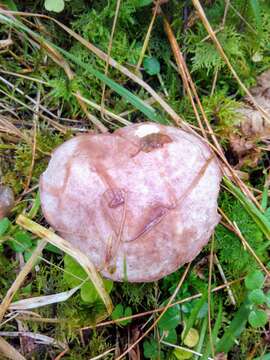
<point>70,67</point>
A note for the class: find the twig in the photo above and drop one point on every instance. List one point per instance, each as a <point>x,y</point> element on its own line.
<point>222,274</point>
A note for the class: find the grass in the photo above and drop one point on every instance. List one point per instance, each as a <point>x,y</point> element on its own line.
<point>68,73</point>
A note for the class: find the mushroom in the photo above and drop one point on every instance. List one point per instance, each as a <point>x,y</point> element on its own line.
<point>6,200</point>
<point>140,202</point>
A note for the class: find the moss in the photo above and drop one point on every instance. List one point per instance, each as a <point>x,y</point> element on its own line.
<point>18,171</point>
<point>234,258</point>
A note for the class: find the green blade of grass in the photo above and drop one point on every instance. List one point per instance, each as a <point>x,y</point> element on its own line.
<point>138,103</point>
<point>194,314</point>
<point>126,94</point>
<point>235,328</point>
<point>258,217</point>
<point>215,331</point>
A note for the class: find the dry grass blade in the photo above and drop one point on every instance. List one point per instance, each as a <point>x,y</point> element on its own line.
<point>159,317</point>
<point>191,89</point>
<point>36,302</point>
<point>223,276</point>
<point>109,53</point>
<point>105,111</point>
<point>58,58</point>
<point>147,37</point>
<point>20,278</point>
<point>34,148</point>
<point>215,40</point>
<point>65,246</point>
<point>103,56</point>
<point>39,338</point>
<point>209,297</point>
<point>182,68</point>
<point>56,125</point>
<point>252,252</point>
<point>184,72</point>
<point>6,126</point>
<point>9,351</point>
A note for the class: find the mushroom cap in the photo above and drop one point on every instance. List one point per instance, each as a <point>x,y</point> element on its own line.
<point>140,202</point>
<point>6,200</point>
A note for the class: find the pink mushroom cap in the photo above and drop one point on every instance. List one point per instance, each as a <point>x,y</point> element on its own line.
<point>140,202</point>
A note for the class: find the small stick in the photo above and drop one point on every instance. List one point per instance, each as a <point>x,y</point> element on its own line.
<point>222,274</point>
<point>209,297</point>
<point>150,312</point>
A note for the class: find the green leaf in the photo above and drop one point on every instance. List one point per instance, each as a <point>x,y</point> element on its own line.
<point>119,312</point>
<point>141,3</point>
<point>254,280</point>
<point>10,4</point>
<point>267,299</point>
<point>89,293</point>
<point>258,217</point>
<point>197,307</point>
<point>267,213</point>
<point>263,357</point>
<point>21,242</point>
<point>170,319</point>
<point>257,318</point>
<point>191,338</point>
<point>28,253</point>
<point>257,297</point>
<point>54,5</point>
<point>264,200</point>
<point>215,331</point>
<point>256,9</point>
<point>4,225</point>
<point>52,248</point>
<point>235,328</point>
<point>75,274</point>
<point>150,349</point>
<point>182,354</point>
<point>151,65</point>
<point>127,312</point>
<point>169,335</point>
<point>35,207</point>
